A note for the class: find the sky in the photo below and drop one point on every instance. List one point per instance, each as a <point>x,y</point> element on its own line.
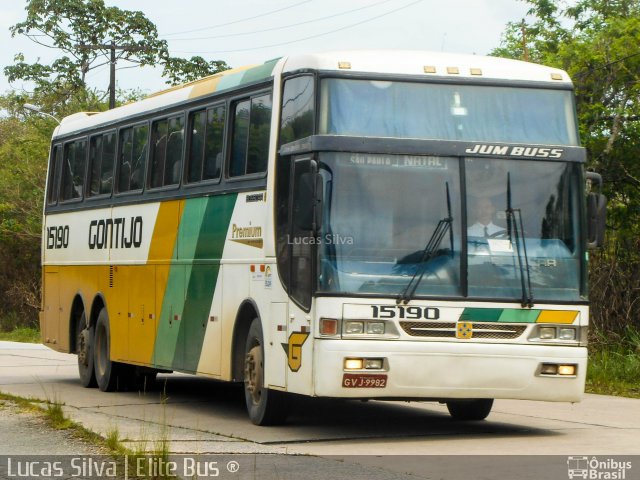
<point>243,32</point>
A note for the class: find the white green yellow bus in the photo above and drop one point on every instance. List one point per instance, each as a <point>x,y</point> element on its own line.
<point>368,225</point>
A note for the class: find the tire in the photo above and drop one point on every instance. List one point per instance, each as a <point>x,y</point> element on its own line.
<point>470,410</point>
<point>265,407</point>
<point>108,373</point>
<point>84,349</point>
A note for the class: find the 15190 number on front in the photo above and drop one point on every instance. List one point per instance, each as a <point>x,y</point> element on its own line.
<point>361,380</point>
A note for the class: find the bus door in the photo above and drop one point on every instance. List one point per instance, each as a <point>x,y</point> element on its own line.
<point>301,250</point>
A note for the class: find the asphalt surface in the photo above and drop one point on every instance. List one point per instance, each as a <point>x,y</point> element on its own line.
<point>323,438</point>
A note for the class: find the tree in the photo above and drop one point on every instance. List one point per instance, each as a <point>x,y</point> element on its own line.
<point>84,30</point>
<point>596,41</point>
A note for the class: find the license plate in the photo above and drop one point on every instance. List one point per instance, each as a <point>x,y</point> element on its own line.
<point>364,380</point>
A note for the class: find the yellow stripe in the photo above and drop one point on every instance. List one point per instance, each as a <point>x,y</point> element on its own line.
<point>557,316</point>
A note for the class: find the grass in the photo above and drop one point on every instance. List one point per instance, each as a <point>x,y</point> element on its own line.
<point>614,364</point>
<point>22,334</point>
<point>53,413</point>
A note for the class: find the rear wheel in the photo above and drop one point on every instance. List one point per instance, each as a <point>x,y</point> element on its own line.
<point>470,410</point>
<point>107,372</point>
<point>265,407</point>
<point>84,349</point>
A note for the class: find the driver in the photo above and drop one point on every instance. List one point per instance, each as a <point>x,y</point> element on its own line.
<point>484,226</point>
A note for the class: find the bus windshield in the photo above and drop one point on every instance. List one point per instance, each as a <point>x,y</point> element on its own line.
<point>447,112</point>
<point>382,215</point>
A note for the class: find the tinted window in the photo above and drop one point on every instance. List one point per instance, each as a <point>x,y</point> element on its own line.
<point>206,147</point>
<point>251,130</point>
<point>101,159</point>
<point>167,140</point>
<point>297,109</point>
<point>73,169</point>
<point>54,168</point>
<point>131,161</point>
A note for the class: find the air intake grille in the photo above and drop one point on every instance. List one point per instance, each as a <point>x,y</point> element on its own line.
<point>110,276</point>
<point>448,330</point>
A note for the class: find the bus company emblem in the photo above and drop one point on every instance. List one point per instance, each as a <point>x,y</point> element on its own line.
<point>251,236</point>
<point>504,150</point>
<point>464,330</point>
<point>293,349</point>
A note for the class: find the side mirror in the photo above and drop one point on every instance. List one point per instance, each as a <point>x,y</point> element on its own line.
<point>596,213</point>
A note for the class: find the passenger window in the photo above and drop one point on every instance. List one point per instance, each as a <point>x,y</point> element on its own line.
<point>101,160</point>
<point>167,141</point>
<point>54,169</point>
<point>251,130</point>
<point>73,170</point>
<point>297,117</point>
<point>132,156</point>
<point>206,147</point>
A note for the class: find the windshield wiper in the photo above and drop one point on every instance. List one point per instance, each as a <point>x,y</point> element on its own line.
<point>428,252</point>
<point>515,224</point>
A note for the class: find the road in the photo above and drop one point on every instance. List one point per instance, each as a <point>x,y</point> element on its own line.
<point>200,416</point>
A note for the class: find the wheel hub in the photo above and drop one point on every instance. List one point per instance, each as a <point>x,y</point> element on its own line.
<point>253,373</point>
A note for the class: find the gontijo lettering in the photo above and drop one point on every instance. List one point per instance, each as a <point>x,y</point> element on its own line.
<point>115,233</point>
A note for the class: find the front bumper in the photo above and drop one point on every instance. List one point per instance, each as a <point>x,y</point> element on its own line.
<point>442,370</point>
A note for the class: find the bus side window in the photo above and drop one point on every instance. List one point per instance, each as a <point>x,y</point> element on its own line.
<point>139,156</point>
<point>250,138</point>
<point>124,159</point>
<point>167,137</point>
<point>101,157</point>
<point>54,169</point>
<point>73,170</point>
<point>206,128</point>
<point>132,157</point>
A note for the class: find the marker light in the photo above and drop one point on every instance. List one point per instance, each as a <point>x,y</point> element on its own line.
<point>353,363</point>
<point>328,326</point>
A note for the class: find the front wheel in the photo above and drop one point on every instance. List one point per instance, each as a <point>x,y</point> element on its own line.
<point>265,407</point>
<point>470,410</point>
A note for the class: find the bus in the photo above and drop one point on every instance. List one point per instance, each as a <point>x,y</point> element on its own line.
<point>389,225</point>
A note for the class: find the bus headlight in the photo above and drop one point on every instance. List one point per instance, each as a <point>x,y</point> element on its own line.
<point>375,328</point>
<point>567,334</point>
<point>547,333</point>
<point>353,328</point>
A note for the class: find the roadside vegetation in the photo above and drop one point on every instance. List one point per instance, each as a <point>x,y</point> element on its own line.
<point>52,412</point>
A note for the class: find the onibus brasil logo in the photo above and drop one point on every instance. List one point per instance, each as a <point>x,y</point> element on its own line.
<point>597,469</point>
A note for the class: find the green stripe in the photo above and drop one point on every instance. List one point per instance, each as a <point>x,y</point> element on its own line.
<point>203,279</point>
<point>502,315</point>
<point>189,292</point>
<point>519,316</point>
<point>481,315</point>
<point>251,75</point>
